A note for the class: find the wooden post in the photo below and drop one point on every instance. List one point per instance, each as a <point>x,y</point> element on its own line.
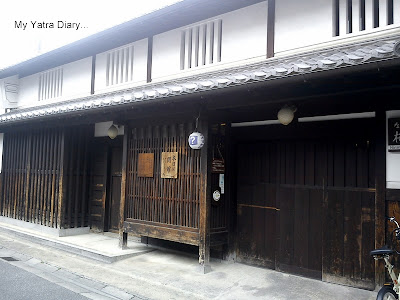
<point>205,201</point>
<point>61,183</point>
<point>230,170</point>
<point>271,29</point>
<point>123,236</point>
<point>380,181</point>
<point>28,173</point>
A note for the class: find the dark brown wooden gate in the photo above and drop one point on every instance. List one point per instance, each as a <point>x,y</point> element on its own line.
<point>307,207</point>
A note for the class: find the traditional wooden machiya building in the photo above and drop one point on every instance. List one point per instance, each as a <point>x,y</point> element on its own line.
<point>309,197</point>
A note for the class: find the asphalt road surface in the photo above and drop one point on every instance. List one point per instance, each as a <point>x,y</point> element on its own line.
<point>18,284</point>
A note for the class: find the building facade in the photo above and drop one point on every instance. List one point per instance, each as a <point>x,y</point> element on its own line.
<point>296,101</point>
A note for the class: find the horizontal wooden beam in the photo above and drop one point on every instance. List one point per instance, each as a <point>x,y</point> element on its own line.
<point>162,232</point>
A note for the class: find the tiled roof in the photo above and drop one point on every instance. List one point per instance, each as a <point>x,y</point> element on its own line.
<point>270,69</point>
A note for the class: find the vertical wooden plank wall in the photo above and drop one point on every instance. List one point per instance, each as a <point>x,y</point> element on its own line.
<point>30,173</point>
<point>380,185</point>
<point>76,177</point>
<point>33,176</point>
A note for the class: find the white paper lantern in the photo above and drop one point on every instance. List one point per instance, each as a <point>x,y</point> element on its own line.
<point>196,140</point>
<point>286,115</point>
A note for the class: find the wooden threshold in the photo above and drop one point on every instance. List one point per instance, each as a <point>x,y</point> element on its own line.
<point>157,230</point>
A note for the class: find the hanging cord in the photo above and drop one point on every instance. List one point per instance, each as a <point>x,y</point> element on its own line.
<point>197,121</point>
<point>219,151</point>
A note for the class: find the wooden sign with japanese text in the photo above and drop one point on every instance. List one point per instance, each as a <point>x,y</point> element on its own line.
<point>218,166</point>
<point>145,164</point>
<point>169,165</point>
<point>394,135</point>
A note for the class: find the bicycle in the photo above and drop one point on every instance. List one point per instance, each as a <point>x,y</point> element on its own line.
<point>389,291</point>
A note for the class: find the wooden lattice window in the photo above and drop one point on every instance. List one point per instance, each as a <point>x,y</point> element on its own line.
<point>173,201</point>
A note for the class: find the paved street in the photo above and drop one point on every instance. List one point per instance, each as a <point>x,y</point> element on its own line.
<point>161,274</point>
<point>18,284</point>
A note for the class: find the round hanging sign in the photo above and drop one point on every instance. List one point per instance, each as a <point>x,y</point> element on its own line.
<point>216,195</point>
<point>196,140</point>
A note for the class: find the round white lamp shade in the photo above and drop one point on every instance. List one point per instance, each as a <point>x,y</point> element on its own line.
<point>112,132</point>
<point>285,115</point>
<point>196,140</point>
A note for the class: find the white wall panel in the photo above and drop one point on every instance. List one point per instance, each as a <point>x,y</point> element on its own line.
<point>29,90</point>
<point>121,67</point>
<point>77,78</point>
<point>343,24</point>
<point>369,14</point>
<point>244,36</point>
<point>302,23</point>
<point>244,33</point>
<point>396,11</point>
<point>356,16</point>
<point>166,53</point>
<point>383,13</point>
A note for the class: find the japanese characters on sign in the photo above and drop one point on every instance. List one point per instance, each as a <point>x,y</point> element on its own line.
<point>218,166</point>
<point>394,135</point>
<point>169,165</point>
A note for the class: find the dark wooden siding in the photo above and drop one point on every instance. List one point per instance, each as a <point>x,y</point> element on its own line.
<point>349,213</point>
<point>32,173</point>
<point>308,207</point>
<point>77,166</point>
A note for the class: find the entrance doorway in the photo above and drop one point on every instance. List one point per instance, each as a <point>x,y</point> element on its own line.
<point>105,189</point>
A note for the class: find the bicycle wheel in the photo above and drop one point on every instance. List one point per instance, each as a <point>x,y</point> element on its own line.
<point>386,293</point>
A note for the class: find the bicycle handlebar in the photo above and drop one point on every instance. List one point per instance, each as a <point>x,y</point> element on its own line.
<point>393,219</point>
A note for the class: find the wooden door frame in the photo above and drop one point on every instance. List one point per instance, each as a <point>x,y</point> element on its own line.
<point>109,191</point>
<point>107,142</point>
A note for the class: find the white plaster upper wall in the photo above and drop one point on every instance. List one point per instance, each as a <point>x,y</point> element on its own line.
<point>76,83</point>
<point>244,33</point>
<point>139,68</point>
<point>29,90</point>
<point>392,159</point>
<point>166,54</point>
<point>244,36</point>
<point>302,23</point>
<point>77,77</point>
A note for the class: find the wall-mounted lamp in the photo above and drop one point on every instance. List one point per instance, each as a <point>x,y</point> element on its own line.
<point>286,114</point>
<point>112,132</point>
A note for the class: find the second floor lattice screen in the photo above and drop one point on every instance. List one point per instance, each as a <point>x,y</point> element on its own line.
<point>201,45</point>
<point>351,16</point>
<point>50,84</point>
<point>120,66</point>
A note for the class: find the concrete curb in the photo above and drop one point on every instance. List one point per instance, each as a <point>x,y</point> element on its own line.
<point>73,282</point>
